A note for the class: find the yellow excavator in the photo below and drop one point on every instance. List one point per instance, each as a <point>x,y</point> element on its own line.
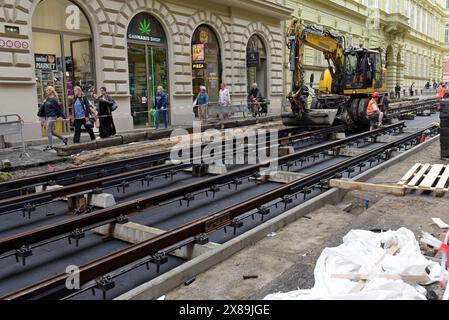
<point>346,86</point>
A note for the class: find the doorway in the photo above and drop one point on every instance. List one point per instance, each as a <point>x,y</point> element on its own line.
<point>63,55</point>
<point>148,67</point>
<point>147,71</point>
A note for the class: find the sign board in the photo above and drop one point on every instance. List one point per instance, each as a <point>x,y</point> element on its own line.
<point>14,44</point>
<point>252,59</point>
<point>198,54</point>
<point>144,27</point>
<point>45,61</point>
<point>199,65</point>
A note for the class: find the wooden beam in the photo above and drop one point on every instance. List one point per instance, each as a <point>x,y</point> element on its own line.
<point>366,277</point>
<point>419,176</point>
<point>431,177</point>
<point>442,183</point>
<point>410,174</point>
<point>369,187</point>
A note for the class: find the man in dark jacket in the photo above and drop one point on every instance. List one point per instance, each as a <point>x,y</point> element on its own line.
<point>254,99</point>
<point>160,105</point>
<point>82,115</point>
<point>397,90</point>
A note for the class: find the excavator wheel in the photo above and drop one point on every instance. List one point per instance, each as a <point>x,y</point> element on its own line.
<point>354,109</point>
<point>362,118</point>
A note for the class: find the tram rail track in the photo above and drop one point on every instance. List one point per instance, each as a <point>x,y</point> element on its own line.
<point>101,272</point>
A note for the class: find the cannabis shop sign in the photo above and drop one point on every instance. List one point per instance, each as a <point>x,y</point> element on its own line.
<point>144,27</point>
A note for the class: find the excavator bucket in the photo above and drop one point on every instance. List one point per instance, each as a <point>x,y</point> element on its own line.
<point>322,117</point>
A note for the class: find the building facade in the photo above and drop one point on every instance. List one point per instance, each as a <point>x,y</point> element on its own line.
<point>131,47</point>
<point>413,35</point>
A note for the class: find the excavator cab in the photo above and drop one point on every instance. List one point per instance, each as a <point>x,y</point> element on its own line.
<point>363,71</point>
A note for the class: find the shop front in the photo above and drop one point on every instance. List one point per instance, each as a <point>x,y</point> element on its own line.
<point>148,67</point>
<point>206,62</point>
<point>63,52</point>
<point>256,64</point>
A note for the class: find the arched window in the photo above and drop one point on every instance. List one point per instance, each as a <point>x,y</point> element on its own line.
<point>256,64</point>
<point>206,62</point>
<point>63,52</point>
<point>147,64</point>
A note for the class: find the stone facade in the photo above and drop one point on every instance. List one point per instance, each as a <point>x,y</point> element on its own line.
<point>411,34</point>
<point>233,21</point>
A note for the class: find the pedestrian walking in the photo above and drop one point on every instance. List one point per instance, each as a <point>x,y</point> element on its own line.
<point>105,107</point>
<point>51,111</point>
<point>81,109</point>
<point>398,91</point>
<point>161,106</point>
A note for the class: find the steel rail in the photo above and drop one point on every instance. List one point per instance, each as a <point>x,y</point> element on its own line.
<point>127,208</point>
<point>203,226</point>
<point>19,187</point>
<point>13,204</point>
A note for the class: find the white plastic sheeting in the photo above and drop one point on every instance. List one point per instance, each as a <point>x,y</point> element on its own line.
<point>359,254</point>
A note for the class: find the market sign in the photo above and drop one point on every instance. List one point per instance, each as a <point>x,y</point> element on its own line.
<point>45,61</point>
<point>144,27</point>
<point>198,54</point>
<point>200,65</point>
<point>252,59</point>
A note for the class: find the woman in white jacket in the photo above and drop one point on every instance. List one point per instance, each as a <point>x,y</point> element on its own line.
<point>224,100</point>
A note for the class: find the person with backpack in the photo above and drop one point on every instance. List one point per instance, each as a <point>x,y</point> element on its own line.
<point>51,111</point>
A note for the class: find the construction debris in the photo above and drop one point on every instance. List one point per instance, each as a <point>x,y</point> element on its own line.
<point>371,266</point>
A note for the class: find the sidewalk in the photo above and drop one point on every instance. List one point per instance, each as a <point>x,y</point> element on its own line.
<point>62,153</point>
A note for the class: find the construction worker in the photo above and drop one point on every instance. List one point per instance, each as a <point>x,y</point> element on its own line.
<point>442,92</point>
<point>374,115</point>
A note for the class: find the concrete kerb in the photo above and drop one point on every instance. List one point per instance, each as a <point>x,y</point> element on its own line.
<point>173,278</point>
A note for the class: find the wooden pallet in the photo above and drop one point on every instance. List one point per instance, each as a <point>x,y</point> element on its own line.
<point>427,177</point>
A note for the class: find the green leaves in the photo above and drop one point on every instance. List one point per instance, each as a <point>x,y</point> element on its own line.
<point>145,27</point>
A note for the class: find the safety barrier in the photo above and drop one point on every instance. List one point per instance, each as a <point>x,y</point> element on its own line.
<point>12,124</point>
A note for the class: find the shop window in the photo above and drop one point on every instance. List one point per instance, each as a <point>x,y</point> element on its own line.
<point>206,62</point>
<point>63,54</point>
<point>256,64</point>
<point>148,67</point>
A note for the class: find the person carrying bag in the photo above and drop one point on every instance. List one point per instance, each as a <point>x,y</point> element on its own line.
<point>81,108</point>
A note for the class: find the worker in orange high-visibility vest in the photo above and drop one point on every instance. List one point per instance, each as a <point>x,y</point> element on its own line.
<point>373,113</point>
<point>442,92</point>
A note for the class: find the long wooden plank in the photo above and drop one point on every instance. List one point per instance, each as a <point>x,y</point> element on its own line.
<point>410,174</point>
<point>431,177</point>
<point>442,183</point>
<point>414,182</point>
<point>361,186</point>
<point>365,277</point>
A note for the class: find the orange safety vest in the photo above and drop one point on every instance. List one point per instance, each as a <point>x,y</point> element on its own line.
<point>370,111</point>
<point>441,93</point>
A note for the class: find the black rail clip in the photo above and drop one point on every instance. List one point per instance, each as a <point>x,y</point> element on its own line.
<point>122,219</point>
<point>214,189</point>
<point>104,284</point>
<point>202,239</point>
<point>28,209</point>
<point>147,179</point>
<point>23,253</point>
<point>77,235</point>
<point>263,212</point>
<point>159,259</point>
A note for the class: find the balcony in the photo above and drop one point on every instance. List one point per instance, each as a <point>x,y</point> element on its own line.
<point>396,24</point>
